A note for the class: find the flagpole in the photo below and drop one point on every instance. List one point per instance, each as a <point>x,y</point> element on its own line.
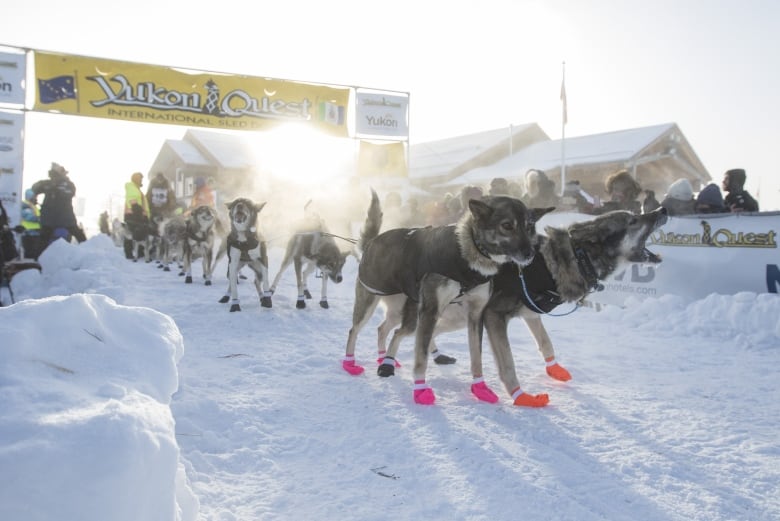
<point>564,117</point>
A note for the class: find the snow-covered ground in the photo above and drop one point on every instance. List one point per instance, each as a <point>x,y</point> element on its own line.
<point>132,396</point>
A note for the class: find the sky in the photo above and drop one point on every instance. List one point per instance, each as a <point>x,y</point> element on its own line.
<point>468,66</point>
<point>128,394</point>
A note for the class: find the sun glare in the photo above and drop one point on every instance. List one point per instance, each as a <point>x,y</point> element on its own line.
<point>304,156</point>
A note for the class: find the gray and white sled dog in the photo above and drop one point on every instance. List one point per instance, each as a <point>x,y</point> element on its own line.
<point>202,228</point>
<point>245,246</point>
<point>568,265</point>
<point>419,272</point>
<point>172,241</point>
<point>312,248</point>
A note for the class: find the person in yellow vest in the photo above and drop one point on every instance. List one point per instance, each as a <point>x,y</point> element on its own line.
<point>136,213</point>
<point>31,222</point>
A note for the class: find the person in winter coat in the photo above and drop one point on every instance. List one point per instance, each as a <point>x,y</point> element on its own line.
<point>136,212</point>
<point>679,198</point>
<point>31,222</point>
<point>539,190</point>
<point>160,197</point>
<point>57,216</point>
<point>623,191</point>
<point>203,194</point>
<point>710,200</point>
<point>737,198</point>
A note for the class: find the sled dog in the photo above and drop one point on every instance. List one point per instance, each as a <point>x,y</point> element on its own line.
<point>172,241</point>
<point>202,228</point>
<point>312,248</point>
<point>419,272</point>
<point>245,246</point>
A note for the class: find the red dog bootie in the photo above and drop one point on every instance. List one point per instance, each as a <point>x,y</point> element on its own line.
<point>423,394</point>
<point>529,400</point>
<point>381,358</point>
<point>557,371</point>
<point>350,366</point>
<point>483,393</point>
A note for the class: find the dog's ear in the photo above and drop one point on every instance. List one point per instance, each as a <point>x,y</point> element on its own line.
<point>259,206</point>
<point>537,213</point>
<point>480,210</point>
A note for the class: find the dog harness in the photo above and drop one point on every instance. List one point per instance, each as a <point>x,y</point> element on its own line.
<point>245,246</point>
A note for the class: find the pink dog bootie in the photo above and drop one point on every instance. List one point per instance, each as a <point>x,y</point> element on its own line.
<point>349,365</point>
<point>423,394</point>
<point>483,392</point>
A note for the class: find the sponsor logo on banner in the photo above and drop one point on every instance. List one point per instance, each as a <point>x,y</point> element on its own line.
<point>154,94</point>
<point>382,115</point>
<point>12,74</point>
<point>720,237</point>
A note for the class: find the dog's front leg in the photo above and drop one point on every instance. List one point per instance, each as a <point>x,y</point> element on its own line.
<point>187,262</point>
<point>475,301</point>
<point>436,291</point>
<point>496,323</point>
<point>234,260</point>
<point>208,257</point>
<point>301,302</point>
<point>544,344</point>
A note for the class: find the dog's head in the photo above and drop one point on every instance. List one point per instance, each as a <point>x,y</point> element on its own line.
<point>243,214</point>
<point>175,229</point>
<point>621,234</point>
<point>330,261</point>
<point>504,229</point>
<point>203,217</point>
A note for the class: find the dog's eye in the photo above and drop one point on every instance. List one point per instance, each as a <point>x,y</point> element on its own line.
<point>507,226</point>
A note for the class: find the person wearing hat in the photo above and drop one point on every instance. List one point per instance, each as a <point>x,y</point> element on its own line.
<point>203,195</point>
<point>710,200</point>
<point>136,212</point>
<point>679,198</point>
<point>737,198</point>
<point>57,216</point>
<point>539,190</point>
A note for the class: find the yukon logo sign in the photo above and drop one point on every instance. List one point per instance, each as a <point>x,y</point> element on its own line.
<point>234,104</point>
<point>720,238</point>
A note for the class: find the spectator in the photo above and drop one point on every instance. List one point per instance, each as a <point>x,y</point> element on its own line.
<point>499,186</point>
<point>31,222</point>
<point>466,194</point>
<point>103,223</point>
<point>539,190</point>
<point>575,198</point>
<point>623,191</point>
<point>710,200</point>
<point>679,198</point>
<point>203,194</point>
<point>737,199</point>
<point>650,203</point>
<point>136,213</point>
<point>161,197</point>
<point>57,216</point>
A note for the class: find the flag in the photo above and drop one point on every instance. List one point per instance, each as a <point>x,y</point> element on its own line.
<point>563,100</point>
<point>331,113</point>
<point>56,89</point>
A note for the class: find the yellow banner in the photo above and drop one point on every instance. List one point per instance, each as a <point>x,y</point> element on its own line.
<point>154,94</point>
<point>382,160</point>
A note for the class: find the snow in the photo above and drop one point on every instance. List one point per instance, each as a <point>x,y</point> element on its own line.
<point>128,395</point>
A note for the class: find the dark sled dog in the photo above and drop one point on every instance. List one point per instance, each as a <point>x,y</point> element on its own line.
<point>202,228</point>
<point>419,272</point>
<point>172,241</point>
<point>568,265</point>
<point>312,248</point>
<point>245,247</point>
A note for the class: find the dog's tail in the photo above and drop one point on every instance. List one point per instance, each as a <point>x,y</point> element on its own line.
<point>373,222</point>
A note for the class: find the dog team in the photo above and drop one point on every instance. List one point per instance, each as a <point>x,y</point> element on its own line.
<point>476,274</point>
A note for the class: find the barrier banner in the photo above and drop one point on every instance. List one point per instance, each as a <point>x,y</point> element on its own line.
<point>127,91</point>
<point>13,68</point>
<point>382,115</point>
<point>11,159</point>
<point>702,254</point>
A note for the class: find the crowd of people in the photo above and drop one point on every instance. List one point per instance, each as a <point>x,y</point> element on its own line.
<point>621,192</point>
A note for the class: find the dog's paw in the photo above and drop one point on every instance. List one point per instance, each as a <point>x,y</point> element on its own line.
<point>166,268</point>
<point>235,307</point>
<point>532,400</point>
<point>208,283</point>
<point>424,396</point>
<point>384,370</point>
<point>351,367</point>
<point>224,299</point>
<point>266,302</point>
<point>558,372</point>
<point>382,359</point>
<point>300,304</point>
<point>188,279</point>
<point>306,293</point>
<point>324,304</point>
<point>483,392</point>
